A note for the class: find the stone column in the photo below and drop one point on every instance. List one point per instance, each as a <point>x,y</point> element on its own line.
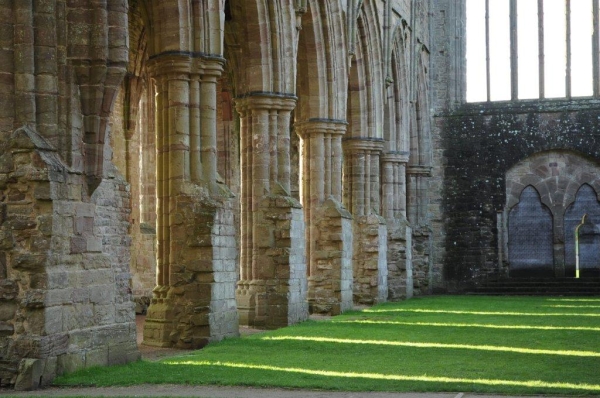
<point>399,255</point>
<point>417,188</point>
<point>329,225</point>
<point>271,292</point>
<point>370,230</point>
<point>194,301</point>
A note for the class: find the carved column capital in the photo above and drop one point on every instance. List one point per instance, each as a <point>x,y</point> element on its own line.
<point>320,126</point>
<point>265,101</point>
<point>185,63</point>
<point>418,170</point>
<point>395,157</point>
<point>361,144</point>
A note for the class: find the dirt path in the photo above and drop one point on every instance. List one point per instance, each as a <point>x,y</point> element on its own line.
<point>226,392</point>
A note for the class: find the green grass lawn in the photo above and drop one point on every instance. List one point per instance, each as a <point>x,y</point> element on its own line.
<point>505,345</point>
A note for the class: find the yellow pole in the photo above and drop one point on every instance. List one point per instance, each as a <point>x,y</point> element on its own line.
<point>577,246</point>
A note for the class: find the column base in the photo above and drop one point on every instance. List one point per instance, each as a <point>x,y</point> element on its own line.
<point>421,260</point>
<point>370,260</point>
<point>276,297</point>
<point>199,305</point>
<point>330,282</point>
<point>400,272</point>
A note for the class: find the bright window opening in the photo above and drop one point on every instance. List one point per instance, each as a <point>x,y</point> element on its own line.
<point>532,49</point>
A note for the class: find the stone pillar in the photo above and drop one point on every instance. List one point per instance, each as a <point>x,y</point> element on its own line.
<point>329,229</point>
<point>271,292</point>
<point>558,235</point>
<point>417,188</point>
<point>370,230</point>
<point>400,278</point>
<point>143,192</point>
<point>194,301</point>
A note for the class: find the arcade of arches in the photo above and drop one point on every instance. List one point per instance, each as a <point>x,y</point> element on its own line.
<point>216,163</point>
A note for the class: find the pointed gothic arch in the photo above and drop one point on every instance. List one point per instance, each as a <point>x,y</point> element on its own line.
<point>585,203</point>
<point>530,243</point>
<point>320,122</point>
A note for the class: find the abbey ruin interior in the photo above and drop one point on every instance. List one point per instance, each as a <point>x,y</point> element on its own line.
<point>216,163</point>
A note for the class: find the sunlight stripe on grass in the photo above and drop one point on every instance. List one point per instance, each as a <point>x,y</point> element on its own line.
<point>472,325</point>
<point>519,350</point>
<point>420,310</point>
<point>571,306</point>
<point>574,299</point>
<point>395,377</point>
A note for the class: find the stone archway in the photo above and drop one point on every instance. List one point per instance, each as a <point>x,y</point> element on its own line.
<point>261,39</point>
<point>557,176</point>
<point>193,302</point>
<point>395,157</point>
<point>363,147</point>
<point>320,122</point>
<point>586,203</point>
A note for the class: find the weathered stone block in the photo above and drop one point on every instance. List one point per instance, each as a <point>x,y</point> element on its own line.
<point>6,329</point>
<point>7,310</point>
<point>30,374</point>
<point>6,164</point>
<point>83,225</point>
<point>34,298</point>
<point>69,363</point>
<point>29,262</point>
<point>78,244</point>
<point>97,357</point>
<point>6,239</point>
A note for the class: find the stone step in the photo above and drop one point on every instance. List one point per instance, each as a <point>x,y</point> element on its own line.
<point>538,286</point>
<point>526,285</point>
<point>527,293</point>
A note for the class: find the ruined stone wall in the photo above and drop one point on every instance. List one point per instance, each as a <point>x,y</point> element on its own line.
<point>66,299</point>
<point>66,293</point>
<point>482,142</point>
<point>447,90</point>
<point>130,127</point>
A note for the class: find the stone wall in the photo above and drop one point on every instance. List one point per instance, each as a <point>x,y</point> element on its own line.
<point>482,143</point>
<point>65,246</point>
<point>66,283</point>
